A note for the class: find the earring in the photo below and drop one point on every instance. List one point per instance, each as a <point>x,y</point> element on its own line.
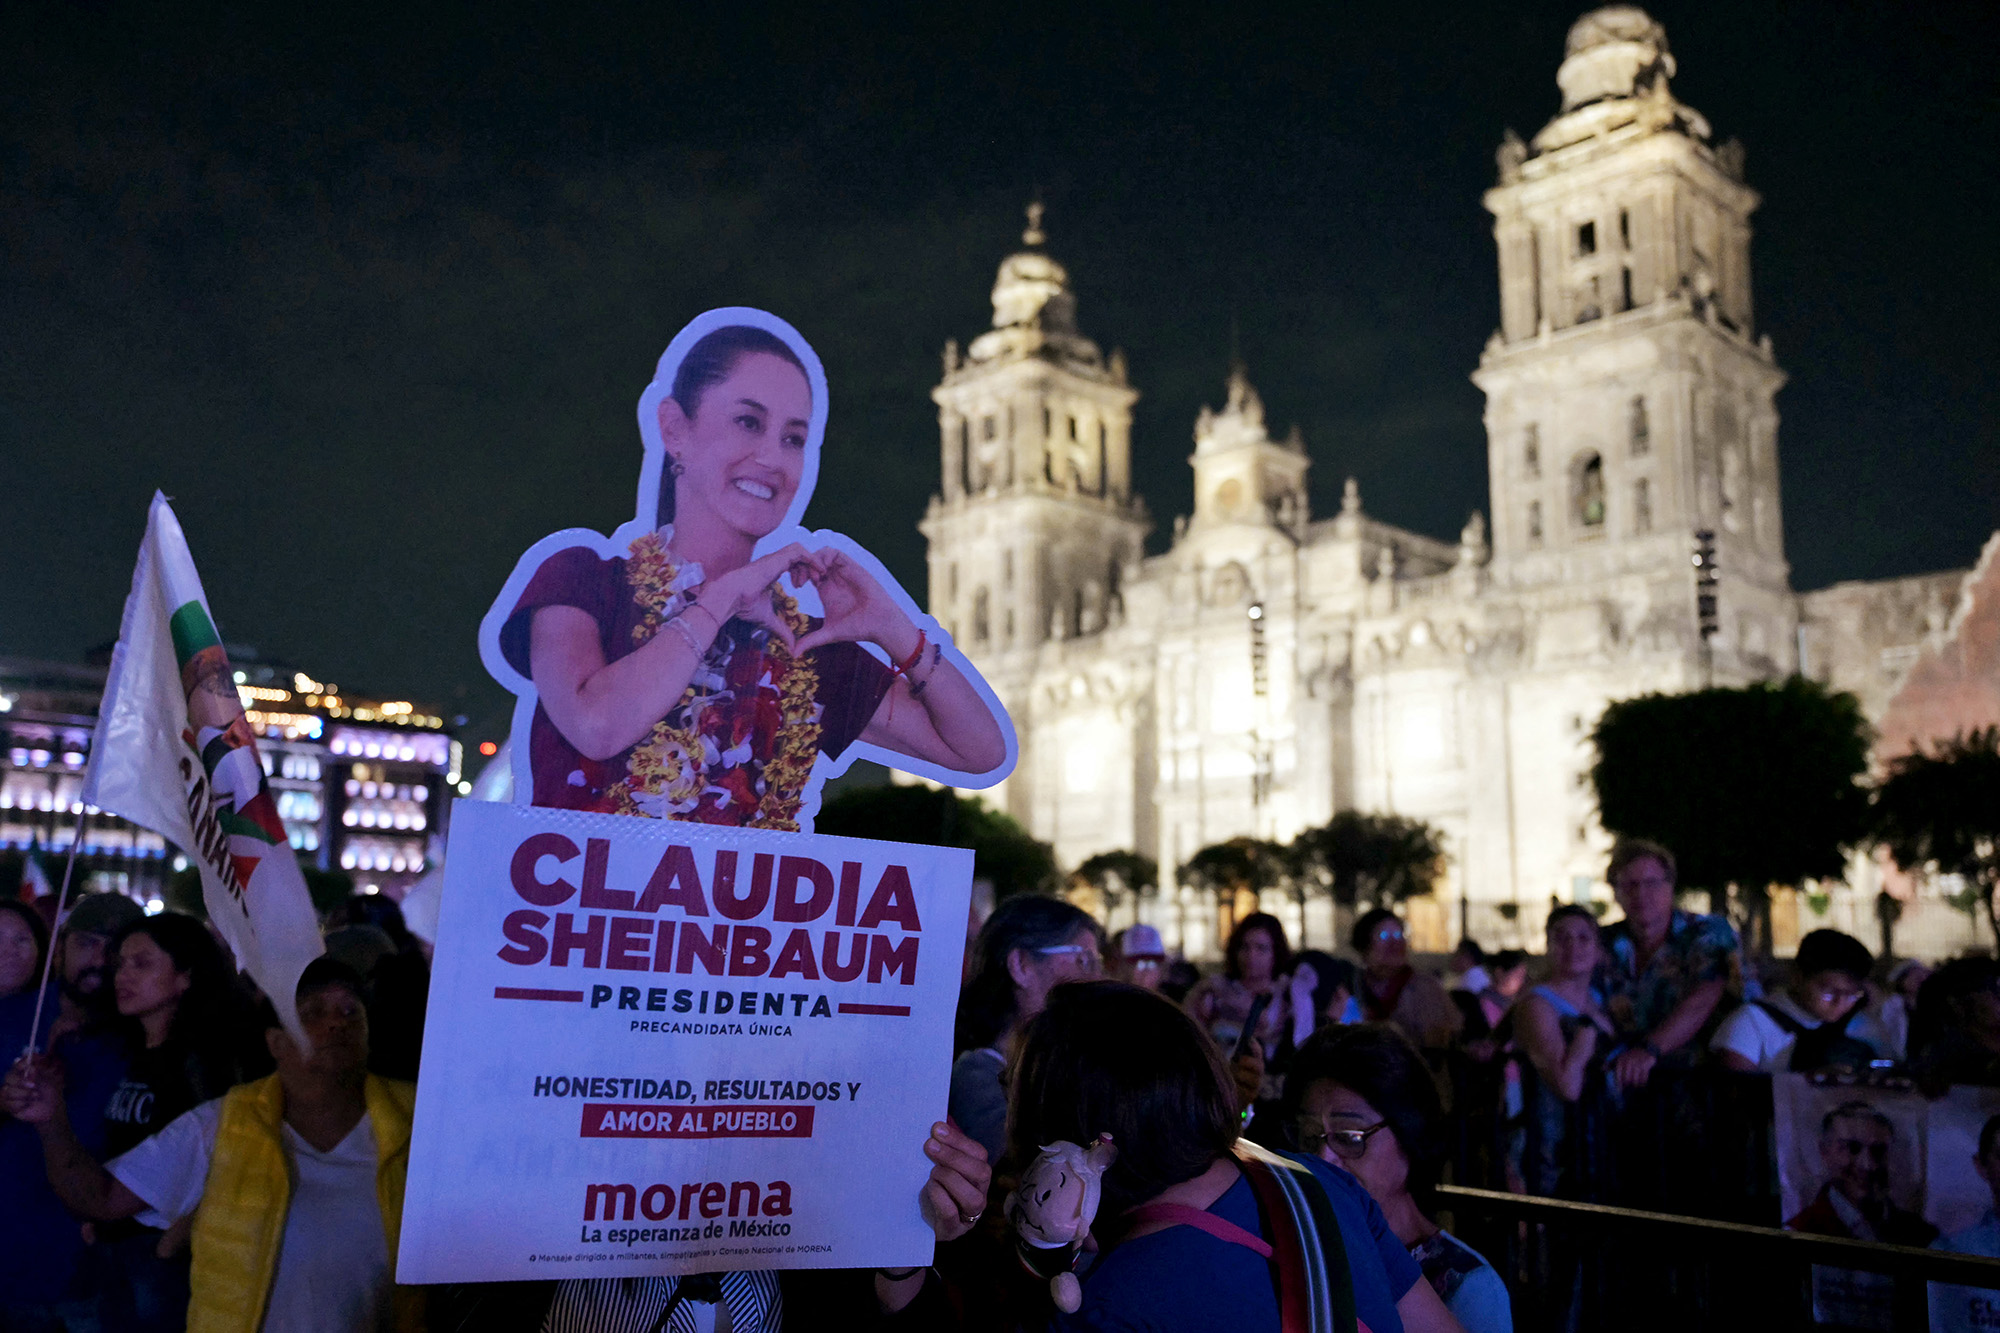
<point>674,468</point>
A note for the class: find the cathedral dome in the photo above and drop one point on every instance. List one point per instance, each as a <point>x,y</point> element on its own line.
<point>1034,310</point>
<point>1616,51</point>
<point>1033,289</point>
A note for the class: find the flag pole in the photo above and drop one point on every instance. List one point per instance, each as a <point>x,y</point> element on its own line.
<point>49,962</point>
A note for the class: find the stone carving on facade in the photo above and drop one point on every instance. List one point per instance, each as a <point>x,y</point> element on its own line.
<point>1730,157</point>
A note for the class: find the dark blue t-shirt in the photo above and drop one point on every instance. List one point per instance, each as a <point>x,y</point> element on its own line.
<point>39,1241</point>
<point>1184,1278</point>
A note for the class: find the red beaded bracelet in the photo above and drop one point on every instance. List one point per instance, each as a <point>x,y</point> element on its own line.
<point>902,668</point>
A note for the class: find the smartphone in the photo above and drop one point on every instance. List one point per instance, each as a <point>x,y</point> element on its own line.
<point>1257,1008</point>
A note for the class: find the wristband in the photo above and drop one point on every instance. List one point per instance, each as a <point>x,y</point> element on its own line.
<point>937,652</point>
<point>903,667</point>
<point>680,626</point>
<point>1650,1047</point>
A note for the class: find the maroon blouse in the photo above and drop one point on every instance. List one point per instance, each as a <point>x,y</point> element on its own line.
<point>852,683</point>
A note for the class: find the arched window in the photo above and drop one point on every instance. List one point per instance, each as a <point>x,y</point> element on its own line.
<point>1640,427</point>
<point>1642,505</point>
<point>1531,452</point>
<point>1534,523</point>
<point>1587,491</point>
<point>982,603</point>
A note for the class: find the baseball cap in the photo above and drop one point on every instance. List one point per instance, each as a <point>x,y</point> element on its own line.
<point>1141,941</point>
<point>102,914</point>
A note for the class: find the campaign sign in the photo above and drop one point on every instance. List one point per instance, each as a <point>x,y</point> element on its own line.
<point>662,1047</point>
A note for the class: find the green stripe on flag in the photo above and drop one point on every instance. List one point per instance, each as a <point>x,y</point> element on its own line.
<point>192,631</point>
<point>242,827</point>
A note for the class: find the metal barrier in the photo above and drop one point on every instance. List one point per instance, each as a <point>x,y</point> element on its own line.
<point>1694,1142</point>
<point>1588,1266</point>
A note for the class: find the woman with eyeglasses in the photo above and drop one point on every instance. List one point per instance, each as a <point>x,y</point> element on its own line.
<point>1029,945</point>
<point>1362,1099</point>
<point>1187,1236</point>
<point>1394,992</point>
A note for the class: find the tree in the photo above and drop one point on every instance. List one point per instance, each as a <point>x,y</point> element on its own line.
<point>1238,866</point>
<point>1358,858</point>
<point>1939,812</point>
<point>1002,851</point>
<point>1115,874</point>
<point>1749,787</point>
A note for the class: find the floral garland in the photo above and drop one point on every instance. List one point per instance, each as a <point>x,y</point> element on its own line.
<point>748,698</point>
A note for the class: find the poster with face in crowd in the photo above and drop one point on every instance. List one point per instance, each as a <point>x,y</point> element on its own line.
<point>712,660</point>
<point>686,1033</point>
<point>1964,1176</point>
<point>1852,1163</point>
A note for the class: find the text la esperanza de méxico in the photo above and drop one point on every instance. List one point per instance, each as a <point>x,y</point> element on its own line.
<point>830,930</point>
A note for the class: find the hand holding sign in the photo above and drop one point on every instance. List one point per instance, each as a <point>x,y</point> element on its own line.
<point>954,1197</point>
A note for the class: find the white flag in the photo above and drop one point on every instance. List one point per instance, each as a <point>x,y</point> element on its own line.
<point>175,753</point>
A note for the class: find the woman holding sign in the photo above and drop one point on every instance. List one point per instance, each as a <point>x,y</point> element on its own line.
<point>1194,1228</point>
<point>673,674</point>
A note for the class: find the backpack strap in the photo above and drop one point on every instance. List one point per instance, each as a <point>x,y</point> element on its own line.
<point>1315,1286</point>
<point>1782,1019</point>
<point>1180,1214</point>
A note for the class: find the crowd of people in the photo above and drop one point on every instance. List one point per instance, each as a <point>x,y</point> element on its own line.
<point>173,1159</point>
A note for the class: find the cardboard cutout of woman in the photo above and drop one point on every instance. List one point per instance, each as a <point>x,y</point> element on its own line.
<point>712,660</point>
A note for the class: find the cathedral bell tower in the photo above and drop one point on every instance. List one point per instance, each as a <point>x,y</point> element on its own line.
<point>1241,474</point>
<point>1629,401</point>
<point>1036,523</point>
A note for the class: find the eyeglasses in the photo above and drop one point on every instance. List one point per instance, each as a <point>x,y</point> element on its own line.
<point>1388,933</point>
<point>1349,1143</point>
<point>1088,959</point>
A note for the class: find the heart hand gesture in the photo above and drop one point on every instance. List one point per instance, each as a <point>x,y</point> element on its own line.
<point>746,593</point>
<point>856,608</point>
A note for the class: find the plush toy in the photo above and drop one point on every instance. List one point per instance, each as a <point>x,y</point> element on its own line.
<point>1051,1211</point>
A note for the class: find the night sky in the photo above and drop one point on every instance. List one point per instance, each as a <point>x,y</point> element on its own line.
<point>372,296</point>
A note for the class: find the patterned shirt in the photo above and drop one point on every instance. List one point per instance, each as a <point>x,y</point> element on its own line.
<point>1698,949</point>
<point>1465,1282</point>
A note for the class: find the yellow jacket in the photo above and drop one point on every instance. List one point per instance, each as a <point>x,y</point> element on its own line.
<point>241,1221</point>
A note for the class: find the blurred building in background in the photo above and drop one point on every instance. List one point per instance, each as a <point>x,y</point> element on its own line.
<point>362,784</point>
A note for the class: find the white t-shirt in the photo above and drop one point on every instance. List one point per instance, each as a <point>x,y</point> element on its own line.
<point>333,1263</point>
<point>1758,1037</point>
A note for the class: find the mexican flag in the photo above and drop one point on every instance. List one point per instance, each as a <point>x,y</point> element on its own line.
<point>174,752</point>
<point>35,875</point>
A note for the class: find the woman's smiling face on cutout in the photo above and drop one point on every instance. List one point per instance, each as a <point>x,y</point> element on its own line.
<point>743,454</point>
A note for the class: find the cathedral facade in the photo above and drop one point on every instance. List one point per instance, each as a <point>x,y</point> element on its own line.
<point>1273,667</point>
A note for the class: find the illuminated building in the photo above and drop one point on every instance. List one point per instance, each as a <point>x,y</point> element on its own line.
<point>362,784</point>
<point>48,711</point>
<point>1273,667</point>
